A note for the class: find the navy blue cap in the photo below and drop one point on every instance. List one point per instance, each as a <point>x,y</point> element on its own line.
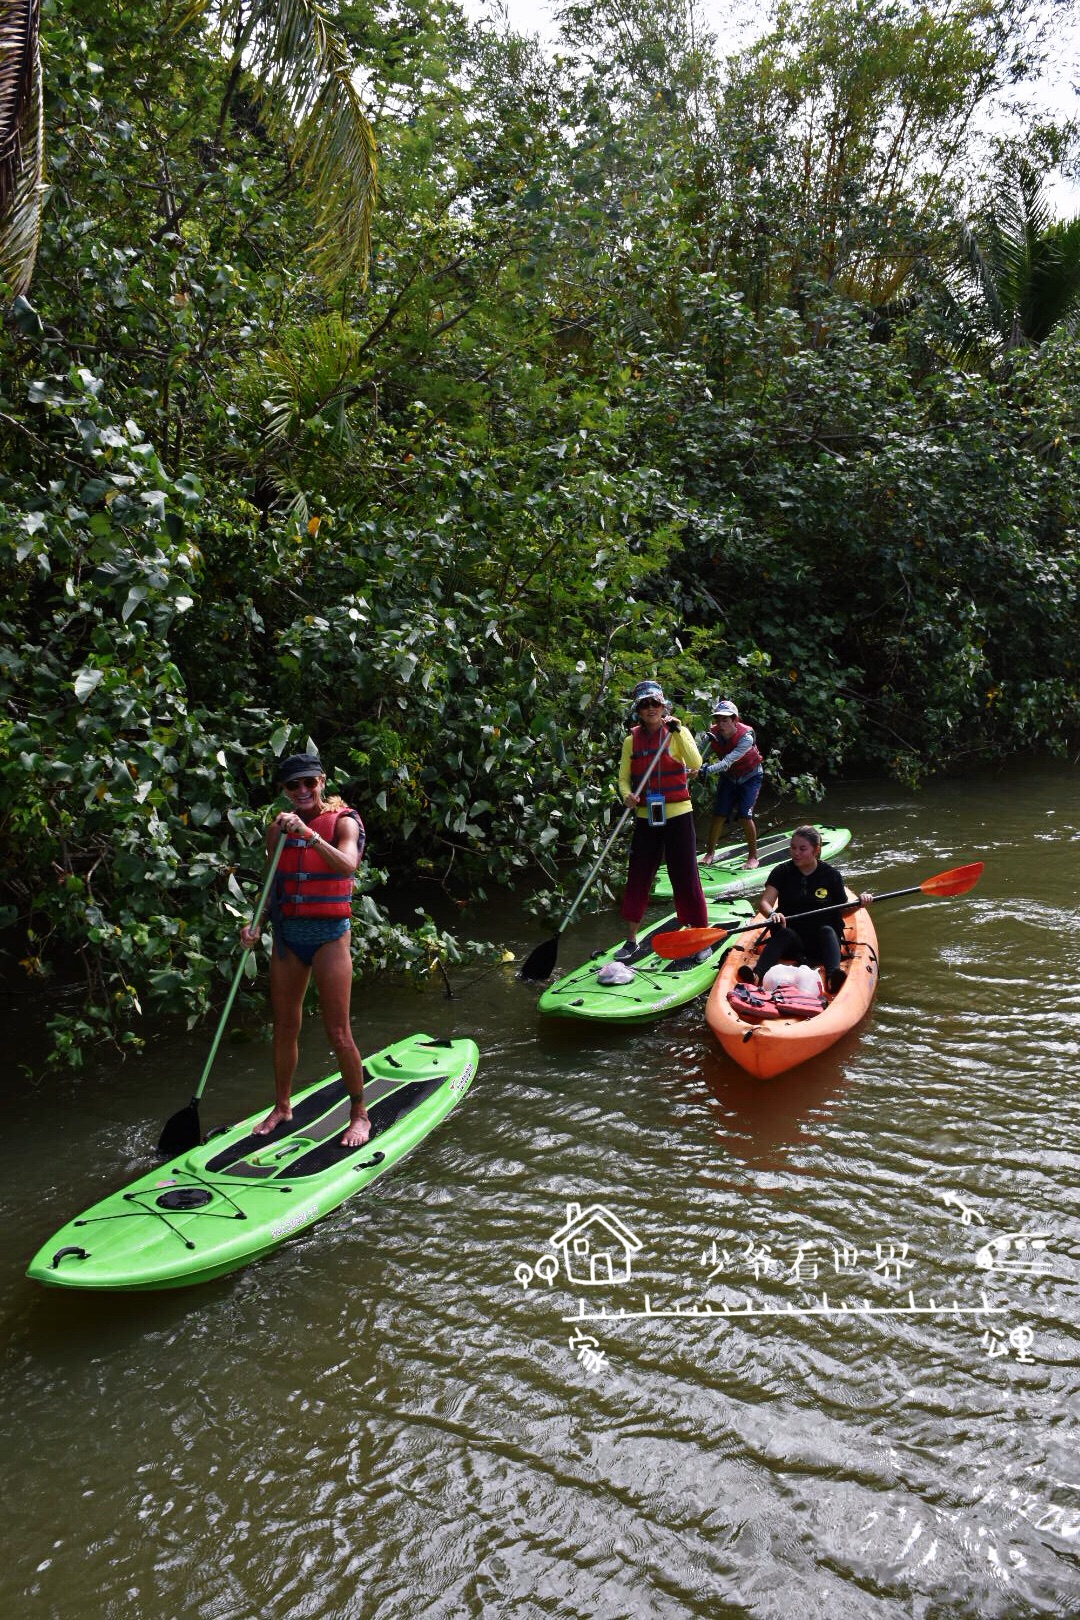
<point>299,765</point>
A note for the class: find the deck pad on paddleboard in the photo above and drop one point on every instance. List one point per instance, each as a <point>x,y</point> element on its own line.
<point>658,985</point>
<point>238,1195</point>
<point>730,877</point>
<point>319,1145</point>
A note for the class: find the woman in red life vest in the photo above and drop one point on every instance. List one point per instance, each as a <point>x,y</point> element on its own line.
<point>664,823</point>
<point>324,844</point>
<point>739,776</point>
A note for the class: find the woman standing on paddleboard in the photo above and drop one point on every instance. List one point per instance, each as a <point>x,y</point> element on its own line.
<point>310,910</point>
<point>663,750</point>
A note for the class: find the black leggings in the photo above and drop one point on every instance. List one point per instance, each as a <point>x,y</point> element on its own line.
<point>819,946</point>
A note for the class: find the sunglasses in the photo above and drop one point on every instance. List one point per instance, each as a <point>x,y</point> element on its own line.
<point>650,703</point>
<point>300,782</point>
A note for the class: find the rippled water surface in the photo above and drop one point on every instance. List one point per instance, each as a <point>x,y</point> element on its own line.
<point>404,1412</point>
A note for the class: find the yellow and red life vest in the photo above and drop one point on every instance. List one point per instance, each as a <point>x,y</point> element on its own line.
<point>669,777</point>
<point>305,885</point>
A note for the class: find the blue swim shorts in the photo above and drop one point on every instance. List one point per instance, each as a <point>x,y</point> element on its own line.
<point>737,796</point>
<point>304,935</point>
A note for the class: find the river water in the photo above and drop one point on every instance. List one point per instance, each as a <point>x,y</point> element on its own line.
<point>420,1408</point>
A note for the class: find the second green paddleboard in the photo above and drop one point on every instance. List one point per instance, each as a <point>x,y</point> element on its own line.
<point>656,986</point>
<point>729,877</point>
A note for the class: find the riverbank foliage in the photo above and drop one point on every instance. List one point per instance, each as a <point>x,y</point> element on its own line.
<point>755,373</point>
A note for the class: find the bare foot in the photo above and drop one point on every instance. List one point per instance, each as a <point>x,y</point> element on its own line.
<point>274,1118</point>
<point>359,1127</point>
<point>751,860</point>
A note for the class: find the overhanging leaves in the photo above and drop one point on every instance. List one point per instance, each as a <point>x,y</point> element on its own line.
<point>303,78</point>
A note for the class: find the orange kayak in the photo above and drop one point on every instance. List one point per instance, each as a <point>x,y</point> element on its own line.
<point>776,1043</point>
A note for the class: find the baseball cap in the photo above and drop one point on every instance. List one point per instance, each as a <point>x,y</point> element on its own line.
<point>299,765</point>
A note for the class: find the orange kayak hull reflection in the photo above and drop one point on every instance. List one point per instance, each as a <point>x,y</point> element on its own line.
<point>772,1047</point>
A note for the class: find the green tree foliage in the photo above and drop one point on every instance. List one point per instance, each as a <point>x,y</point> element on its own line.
<point>289,59</point>
<point>652,372</point>
<point>301,79</point>
<point>846,140</point>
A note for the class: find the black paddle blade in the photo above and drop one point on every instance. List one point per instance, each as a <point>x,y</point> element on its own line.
<point>540,964</point>
<point>181,1132</point>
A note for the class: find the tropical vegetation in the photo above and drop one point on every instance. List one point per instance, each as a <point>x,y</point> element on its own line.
<point>378,379</point>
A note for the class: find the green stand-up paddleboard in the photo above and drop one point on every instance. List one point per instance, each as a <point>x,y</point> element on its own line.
<point>237,1196</point>
<point>729,876</point>
<point>655,987</point>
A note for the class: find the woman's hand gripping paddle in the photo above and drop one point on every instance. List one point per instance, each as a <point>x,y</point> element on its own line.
<point>182,1131</point>
<point>686,941</point>
<point>540,963</point>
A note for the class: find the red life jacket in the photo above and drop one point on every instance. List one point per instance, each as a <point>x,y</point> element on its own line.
<point>755,1006</point>
<point>305,885</point>
<point>723,746</point>
<point>669,777</point>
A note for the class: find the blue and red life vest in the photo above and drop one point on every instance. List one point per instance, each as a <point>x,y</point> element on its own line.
<point>669,777</point>
<point>305,886</point>
<point>746,762</point>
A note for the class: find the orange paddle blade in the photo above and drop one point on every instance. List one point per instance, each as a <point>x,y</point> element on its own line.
<point>958,881</point>
<point>686,941</point>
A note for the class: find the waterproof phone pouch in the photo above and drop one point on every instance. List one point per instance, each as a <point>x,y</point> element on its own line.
<point>657,808</point>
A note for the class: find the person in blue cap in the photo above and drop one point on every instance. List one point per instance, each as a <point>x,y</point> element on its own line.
<point>310,913</point>
<point>664,819</point>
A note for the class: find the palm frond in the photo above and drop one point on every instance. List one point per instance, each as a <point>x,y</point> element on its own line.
<point>303,76</point>
<point>1022,265</point>
<point>313,371</point>
<point>20,143</point>
<point>982,272</point>
<point>1055,281</point>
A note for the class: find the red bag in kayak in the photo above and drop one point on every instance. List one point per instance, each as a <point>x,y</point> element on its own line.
<point>757,1006</point>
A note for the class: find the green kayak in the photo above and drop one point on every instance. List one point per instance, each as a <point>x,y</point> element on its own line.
<point>237,1196</point>
<point>653,987</point>
<point>729,876</point>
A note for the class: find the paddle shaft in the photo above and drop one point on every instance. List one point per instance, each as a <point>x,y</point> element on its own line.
<point>685,941</point>
<point>853,905</point>
<point>271,869</point>
<point>841,905</point>
<point>619,825</point>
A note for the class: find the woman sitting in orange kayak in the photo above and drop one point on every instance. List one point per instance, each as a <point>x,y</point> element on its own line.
<point>804,883</point>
